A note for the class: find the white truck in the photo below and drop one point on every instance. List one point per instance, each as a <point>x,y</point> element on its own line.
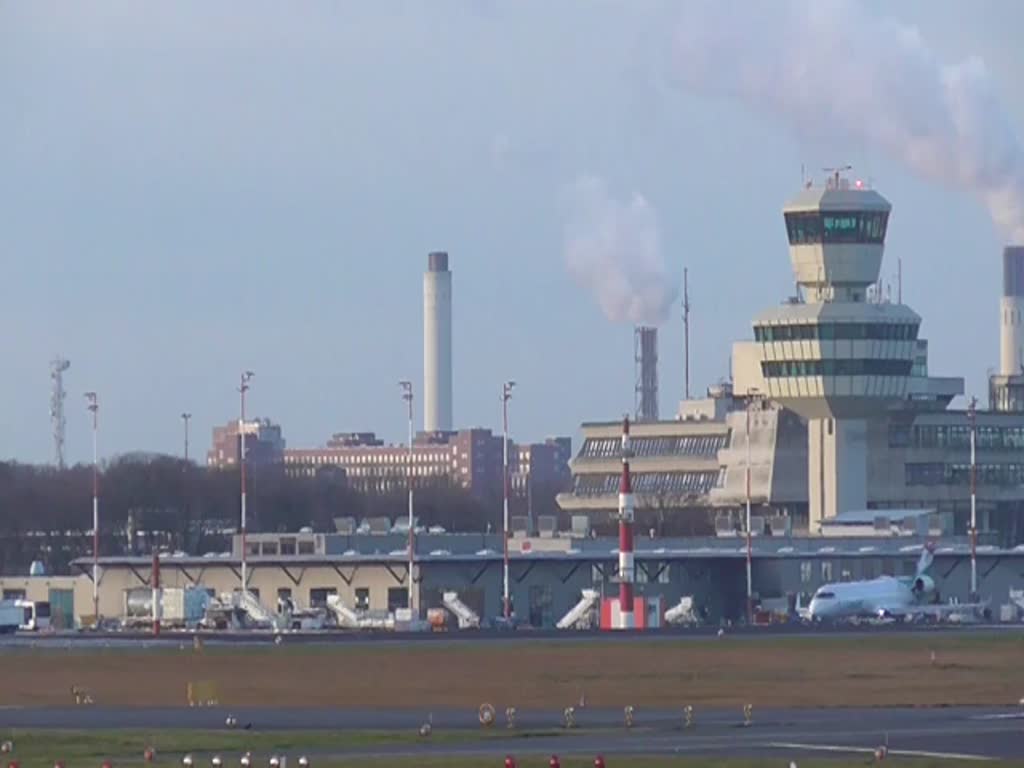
<point>179,607</point>
<point>11,615</point>
<point>34,615</point>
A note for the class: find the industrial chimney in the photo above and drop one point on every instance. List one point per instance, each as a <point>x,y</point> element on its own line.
<point>437,344</point>
<point>645,350</point>
<point>1011,337</point>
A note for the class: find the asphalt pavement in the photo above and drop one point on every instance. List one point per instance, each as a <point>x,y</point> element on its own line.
<point>966,733</point>
<point>473,637</point>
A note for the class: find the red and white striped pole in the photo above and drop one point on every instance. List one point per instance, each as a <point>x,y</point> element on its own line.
<point>626,514</point>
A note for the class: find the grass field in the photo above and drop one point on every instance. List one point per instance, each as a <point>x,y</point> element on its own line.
<point>773,672</point>
<point>126,747</point>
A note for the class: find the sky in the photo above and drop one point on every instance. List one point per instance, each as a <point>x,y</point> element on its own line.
<point>192,189</point>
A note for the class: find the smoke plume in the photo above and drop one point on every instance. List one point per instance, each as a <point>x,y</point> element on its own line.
<point>834,69</point>
<point>613,249</point>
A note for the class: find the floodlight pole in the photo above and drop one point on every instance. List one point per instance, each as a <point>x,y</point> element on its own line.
<point>94,408</point>
<point>972,416</point>
<point>408,397</point>
<point>506,395</point>
<point>243,387</point>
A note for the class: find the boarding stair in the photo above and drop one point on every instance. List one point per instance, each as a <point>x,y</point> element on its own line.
<point>343,615</point>
<point>466,616</point>
<point>682,612</point>
<point>581,615</point>
<point>254,610</point>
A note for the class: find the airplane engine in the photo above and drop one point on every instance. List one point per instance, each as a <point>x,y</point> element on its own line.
<point>924,588</point>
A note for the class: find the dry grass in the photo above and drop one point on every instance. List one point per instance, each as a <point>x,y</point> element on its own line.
<point>799,672</point>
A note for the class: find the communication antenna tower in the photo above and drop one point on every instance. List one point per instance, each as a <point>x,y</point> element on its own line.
<point>57,395</point>
<point>835,173</point>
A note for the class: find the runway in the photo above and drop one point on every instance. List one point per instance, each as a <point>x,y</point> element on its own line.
<point>336,637</point>
<point>960,733</point>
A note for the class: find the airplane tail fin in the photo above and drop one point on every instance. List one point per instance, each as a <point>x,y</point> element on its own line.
<point>927,556</point>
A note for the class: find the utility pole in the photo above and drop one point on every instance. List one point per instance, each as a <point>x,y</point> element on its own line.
<point>243,387</point>
<point>94,408</point>
<point>185,417</point>
<point>506,395</point>
<point>407,396</point>
<point>972,416</point>
<point>686,330</point>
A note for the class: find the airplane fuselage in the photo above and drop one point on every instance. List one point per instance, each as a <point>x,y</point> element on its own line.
<point>884,596</point>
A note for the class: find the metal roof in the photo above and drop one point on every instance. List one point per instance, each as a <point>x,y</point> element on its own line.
<point>862,311</point>
<point>868,516</point>
<point>592,551</point>
<point>837,199</point>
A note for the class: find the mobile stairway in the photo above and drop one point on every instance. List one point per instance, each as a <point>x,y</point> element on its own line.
<point>682,613</point>
<point>467,617</point>
<point>581,615</point>
<point>343,615</point>
<point>256,613</point>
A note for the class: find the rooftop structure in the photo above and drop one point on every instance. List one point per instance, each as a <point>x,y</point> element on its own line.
<point>264,444</point>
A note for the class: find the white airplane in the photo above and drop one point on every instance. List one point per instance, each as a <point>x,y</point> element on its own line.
<point>886,597</point>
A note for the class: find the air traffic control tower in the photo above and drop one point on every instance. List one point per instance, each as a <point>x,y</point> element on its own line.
<point>836,355</point>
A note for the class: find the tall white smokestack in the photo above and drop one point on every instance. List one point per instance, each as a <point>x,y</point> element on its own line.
<point>437,344</point>
<point>1011,307</point>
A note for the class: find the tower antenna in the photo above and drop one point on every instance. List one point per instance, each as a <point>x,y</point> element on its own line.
<point>686,331</point>
<point>57,394</point>
<point>835,172</point>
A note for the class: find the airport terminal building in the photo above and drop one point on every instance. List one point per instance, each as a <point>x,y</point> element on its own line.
<point>831,406</point>
<point>369,573</point>
<point>832,426</point>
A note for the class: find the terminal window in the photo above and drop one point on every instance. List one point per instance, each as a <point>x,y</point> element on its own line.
<point>398,597</point>
<point>837,332</point>
<point>805,571</point>
<point>318,596</point>
<point>363,599</point>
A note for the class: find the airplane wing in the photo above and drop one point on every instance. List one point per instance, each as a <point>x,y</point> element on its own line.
<point>940,610</point>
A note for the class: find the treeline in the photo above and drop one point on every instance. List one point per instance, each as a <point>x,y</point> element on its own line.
<point>46,513</point>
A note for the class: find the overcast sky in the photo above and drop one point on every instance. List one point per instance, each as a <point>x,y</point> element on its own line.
<point>190,189</point>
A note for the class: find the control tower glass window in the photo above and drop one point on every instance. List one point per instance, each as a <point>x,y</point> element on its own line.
<point>837,332</point>
<point>814,227</point>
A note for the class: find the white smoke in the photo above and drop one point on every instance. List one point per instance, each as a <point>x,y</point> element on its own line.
<point>613,249</point>
<point>834,69</point>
